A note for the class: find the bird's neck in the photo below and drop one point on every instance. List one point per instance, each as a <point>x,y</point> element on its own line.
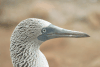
<point>27,55</point>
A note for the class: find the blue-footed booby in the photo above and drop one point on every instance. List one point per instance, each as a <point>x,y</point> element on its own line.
<point>27,37</point>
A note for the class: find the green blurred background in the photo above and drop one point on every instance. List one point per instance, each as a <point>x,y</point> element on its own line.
<point>79,15</point>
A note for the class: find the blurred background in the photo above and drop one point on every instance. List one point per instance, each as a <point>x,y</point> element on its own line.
<point>79,15</point>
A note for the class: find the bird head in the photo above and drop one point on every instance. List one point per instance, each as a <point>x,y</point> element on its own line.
<point>41,30</point>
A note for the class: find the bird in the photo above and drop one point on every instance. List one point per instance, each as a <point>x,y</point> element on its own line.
<point>27,37</point>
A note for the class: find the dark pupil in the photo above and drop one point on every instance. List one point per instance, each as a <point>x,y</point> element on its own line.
<point>44,30</point>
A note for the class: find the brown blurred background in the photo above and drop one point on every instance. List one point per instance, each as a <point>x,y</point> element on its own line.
<point>79,15</point>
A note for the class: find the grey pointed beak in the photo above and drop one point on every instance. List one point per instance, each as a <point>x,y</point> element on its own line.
<point>53,31</point>
<point>60,32</point>
<point>67,33</point>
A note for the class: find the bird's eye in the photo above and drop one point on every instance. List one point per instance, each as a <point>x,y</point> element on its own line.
<point>43,30</point>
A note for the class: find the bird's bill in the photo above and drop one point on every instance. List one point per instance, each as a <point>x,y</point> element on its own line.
<point>60,32</point>
<point>68,33</point>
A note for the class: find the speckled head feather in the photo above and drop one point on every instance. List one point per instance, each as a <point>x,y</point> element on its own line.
<point>27,37</point>
<point>30,28</point>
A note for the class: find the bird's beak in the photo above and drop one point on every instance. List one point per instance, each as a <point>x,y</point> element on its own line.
<point>60,32</point>
<point>53,31</point>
